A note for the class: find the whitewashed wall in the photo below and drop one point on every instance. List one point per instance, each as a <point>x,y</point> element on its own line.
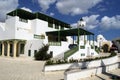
<point>32,45</point>
<point>59,50</point>
<point>9,32</point>
<point>2,29</point>
<point>88,64</point>
<point>86,51</point>
<point>77,75</point>
<point>23,30</point>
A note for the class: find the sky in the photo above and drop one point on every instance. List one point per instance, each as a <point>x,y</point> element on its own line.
<point>101,16</point>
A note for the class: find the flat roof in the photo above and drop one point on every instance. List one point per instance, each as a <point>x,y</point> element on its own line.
<point>70,32</point>
<point>29,15</point>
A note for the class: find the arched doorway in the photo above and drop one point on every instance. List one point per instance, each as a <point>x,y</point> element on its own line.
<point>105,48</point>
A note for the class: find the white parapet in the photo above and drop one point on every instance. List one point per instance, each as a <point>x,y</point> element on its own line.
<point>88,64</point>
<point>94,67</point>
<point>89,72</point>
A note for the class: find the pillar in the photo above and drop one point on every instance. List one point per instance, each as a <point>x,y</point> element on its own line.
<point>58,35</point>
<point>78,39</point>
<point>89,39</point>
<point>3,48</point>
<point>8,49</point>
<point>15,49</point>
<point>84,40</point>
<point>93,43</point>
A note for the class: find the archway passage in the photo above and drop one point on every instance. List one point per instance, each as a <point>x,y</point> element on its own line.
<point>12,47</point>
<point>105,48</point>
<point>21,46</point>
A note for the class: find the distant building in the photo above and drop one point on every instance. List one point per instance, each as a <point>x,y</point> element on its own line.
<point>23,33</point>
<point>116,45</point>
<point>101,41</point>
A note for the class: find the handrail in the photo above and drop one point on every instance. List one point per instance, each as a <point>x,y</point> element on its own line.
<point>70,52</point>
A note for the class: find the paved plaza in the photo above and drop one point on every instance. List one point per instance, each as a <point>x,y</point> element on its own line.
<point>24,68</point>
<point>106,76</point>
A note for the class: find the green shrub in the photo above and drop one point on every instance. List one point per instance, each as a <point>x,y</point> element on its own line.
<point>42,53</point>
<point>51,62</point>
<point>73,61</point>
<point>97,49</point>
<point>112,54</point>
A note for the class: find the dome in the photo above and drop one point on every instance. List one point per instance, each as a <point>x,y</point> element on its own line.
<point>101,37</point>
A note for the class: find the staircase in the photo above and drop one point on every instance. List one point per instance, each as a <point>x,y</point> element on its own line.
<point>70,52</point>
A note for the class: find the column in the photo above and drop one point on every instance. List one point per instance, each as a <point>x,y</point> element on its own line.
<point>3,48</point>
<point>93,43</point>
<point>78,39</point>
<point>19,48</point>
<point>89,39</point>
<point>73,39</point>
<point>15,49</point>
<point>59,40</point>
<point>84,40</point>
<point>8,49</point>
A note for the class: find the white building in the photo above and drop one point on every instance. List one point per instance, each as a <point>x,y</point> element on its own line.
<point>23,33</point>
<point>101,41</point>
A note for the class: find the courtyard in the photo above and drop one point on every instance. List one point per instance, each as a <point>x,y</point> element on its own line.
<point>26,68</point>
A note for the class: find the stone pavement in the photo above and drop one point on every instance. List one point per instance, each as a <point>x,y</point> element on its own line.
<point>107,76</point>
<point>104,76</point>
<point>25,69</point>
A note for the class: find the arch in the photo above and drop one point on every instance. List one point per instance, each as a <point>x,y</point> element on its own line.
<point>105,48</point>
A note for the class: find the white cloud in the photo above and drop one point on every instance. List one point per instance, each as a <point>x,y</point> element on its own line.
<point>7,6</point>
<point>104,23</point>
<point>45,4</point>
<point>91,22</point>
<point>74,25</point>
<point>52,14</point>
<point>110,22</point>
<point>27,9</point>
<point>75,7</point>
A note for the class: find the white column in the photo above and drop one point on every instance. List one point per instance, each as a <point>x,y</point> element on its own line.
<point>3,48</point>
<point>15,49</point>
<point>8,49</point>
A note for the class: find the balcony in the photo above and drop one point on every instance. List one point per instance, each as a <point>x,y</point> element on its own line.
<point>54,43</point>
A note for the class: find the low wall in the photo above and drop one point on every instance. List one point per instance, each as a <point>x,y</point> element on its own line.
<point>89,72</point>
<point>88,64</point>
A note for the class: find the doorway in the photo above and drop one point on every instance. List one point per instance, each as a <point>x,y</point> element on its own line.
<point>22,48</point>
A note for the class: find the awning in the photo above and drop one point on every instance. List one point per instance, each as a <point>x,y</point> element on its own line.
<point>70,32</point>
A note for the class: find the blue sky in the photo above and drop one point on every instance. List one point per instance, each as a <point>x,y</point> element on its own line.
<point>101,16</point>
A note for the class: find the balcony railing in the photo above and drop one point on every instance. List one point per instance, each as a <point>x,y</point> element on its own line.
<point>82,47</point>
<point>54,43</point>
